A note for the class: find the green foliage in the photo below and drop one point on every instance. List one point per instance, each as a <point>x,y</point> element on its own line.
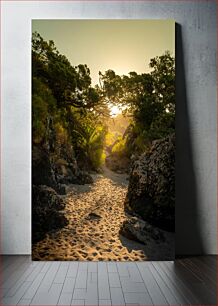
<point>97,158</point>
<point>43,106</point>
<point>149,99</point>
<point>88,138</point>
<point>38,119</point>
<point>65,104</point>
<point>61,134</point>
<point>119,147</point>
<point>163,75</point>
<point>69,85</point>
<point>111,85</point>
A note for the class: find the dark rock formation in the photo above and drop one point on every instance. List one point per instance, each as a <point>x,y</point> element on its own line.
<point>46,211</point>
<point>117,164</point>
<point>42,171</point>
<point>54,167</point>
<point>159,243</point>
<point>55,170</point>
<point>151,191</point>
<point>69,173</point>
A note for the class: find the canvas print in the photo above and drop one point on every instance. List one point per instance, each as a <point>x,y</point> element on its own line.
<point>103,140</point>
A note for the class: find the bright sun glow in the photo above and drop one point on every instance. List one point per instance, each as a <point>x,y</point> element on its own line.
<point>114,110</point>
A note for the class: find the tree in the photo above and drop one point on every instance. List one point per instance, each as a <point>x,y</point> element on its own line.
<point>149,99</point>
<point>71,86</point>
<point>65,106</point>
<point>63,96</point>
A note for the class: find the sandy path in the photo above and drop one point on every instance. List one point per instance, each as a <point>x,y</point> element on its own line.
<point>95,213</point>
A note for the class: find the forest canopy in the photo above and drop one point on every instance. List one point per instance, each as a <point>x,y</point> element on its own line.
<point>66,106</point>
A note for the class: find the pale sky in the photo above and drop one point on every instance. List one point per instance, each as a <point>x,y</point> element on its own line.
<point>120,45</point>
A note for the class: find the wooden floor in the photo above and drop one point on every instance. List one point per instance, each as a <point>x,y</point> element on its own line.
<point>188,281</point>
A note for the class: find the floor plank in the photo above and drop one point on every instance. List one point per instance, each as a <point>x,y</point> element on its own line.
<point>65,298</point>
<point>153,289</point>
<point>117,297</point>
<point>165,287</point>
<point>61,273</point>
<point>13,272</point>
<point>69,285</point>
<point>203,292</point>
<point>209,275</point>
<point>114,280</point>
<point>103,282</point>
<point>24,277</point>
<point>31,291</point>
<point>187,281</point>
<point>179,282</point>
<point>49,277</point>
<point>18,295</point>
<point>177,292</point>
<point>48,298</point>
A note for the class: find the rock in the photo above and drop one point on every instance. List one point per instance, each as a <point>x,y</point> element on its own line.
<point>99,171</point>
<point>94,216</point>
<point>56,171</point>
<point>46,212</point>
<point>84,178</point>
<point>159,243</point>
<point>42,171</point>
<point>66,172</point>
<point>127,231</point>
<point>46,197</point>
<point>141,230</point>
<point>151,191</point>
<point>117,164</point>
<point>62,189</point>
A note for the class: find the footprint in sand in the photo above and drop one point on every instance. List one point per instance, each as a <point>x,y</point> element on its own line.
<point>95,213</point>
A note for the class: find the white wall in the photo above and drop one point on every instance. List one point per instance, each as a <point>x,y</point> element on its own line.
<point>196,213</point>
